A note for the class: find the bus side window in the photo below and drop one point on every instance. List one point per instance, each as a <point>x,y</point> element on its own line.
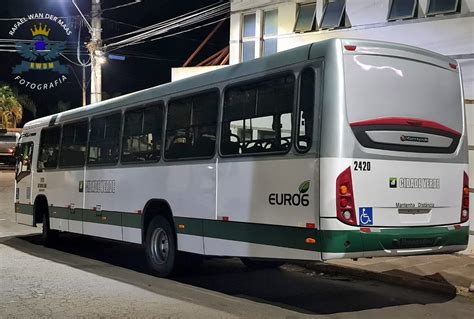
<point>306,111</point>
<point>258,117</point>
<point>49,148</point>
<point>142,134</point>
<point>73,145</point>
<point>104,139</point>
<point>191,126</point>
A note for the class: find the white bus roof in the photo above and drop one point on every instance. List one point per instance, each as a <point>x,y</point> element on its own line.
<point>292,56</point>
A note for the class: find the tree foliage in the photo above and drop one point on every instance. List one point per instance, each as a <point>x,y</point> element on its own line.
<point>11,110</point>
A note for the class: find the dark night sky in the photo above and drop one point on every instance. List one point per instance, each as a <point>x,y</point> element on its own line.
<point>152,67</point>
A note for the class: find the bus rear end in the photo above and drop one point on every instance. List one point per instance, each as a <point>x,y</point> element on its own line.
<point>397,181</point>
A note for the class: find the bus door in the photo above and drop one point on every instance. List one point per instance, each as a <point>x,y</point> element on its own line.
<point>23,183</point>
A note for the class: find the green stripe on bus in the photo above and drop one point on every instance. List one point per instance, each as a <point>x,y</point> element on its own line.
<point>76,214</point>
<point>131,220</point>
<point>331,241</point>
<point>87,215</point>
<point>26,209</point>
<point>104,217</point>
<point>59,212</point>
<point>192,226</point>
<point>343,241</point>
<point>264,234</point>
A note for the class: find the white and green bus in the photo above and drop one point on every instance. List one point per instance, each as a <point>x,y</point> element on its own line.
<point>337,149</point>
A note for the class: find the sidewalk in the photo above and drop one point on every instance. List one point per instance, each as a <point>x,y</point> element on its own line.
<point>442,273</point>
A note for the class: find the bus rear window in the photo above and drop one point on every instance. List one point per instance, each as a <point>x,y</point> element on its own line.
<point>403,105</point>
<point>381,86</point>
<point>7,139</point>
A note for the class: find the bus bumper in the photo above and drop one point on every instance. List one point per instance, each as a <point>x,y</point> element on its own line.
<point>386,242</point>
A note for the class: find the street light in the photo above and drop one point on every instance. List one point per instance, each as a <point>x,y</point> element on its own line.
<point>101,59</point>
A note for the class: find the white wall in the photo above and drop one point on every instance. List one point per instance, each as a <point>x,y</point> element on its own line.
<point>186,72</point>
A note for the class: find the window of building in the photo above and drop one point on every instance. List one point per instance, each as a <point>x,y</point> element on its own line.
<point>306,17</point>
<point>49,148</point>
<point>248,37</point>
<point>142,134</point>
<point>402,9</point>
<point>191,126</point>
<point>334,14</point>
<point>73,145</point>
<point>104,139</point>
<point>270,32</point>
<point>443,6</point>
<point>257,117</point>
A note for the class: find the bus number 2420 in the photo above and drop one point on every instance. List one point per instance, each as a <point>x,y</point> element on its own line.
<point>361,166</point>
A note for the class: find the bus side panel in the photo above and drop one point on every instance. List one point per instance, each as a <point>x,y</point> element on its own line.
<point>61,188</point>
<point>265,208</point>
<point>115,198</point>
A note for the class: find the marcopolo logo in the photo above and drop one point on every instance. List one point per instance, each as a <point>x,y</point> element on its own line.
<point>40,68</point>
<point>286,199</point>
<point>419,139</point>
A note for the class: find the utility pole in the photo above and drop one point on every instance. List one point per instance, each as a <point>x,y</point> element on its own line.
<point>84,88</point>
<point>95,50</point>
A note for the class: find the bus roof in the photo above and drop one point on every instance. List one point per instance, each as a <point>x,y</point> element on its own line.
<point>288,57</point>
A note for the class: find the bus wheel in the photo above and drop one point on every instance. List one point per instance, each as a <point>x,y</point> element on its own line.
<point>160,247</point>
<point>50,236</point>
<point>261,264</point>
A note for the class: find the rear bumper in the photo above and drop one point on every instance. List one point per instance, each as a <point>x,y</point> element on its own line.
<point>372,242</point>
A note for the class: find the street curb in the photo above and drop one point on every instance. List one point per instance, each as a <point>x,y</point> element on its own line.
<point>420,283</point>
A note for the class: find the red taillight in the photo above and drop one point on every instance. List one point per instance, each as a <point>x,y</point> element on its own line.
<point>453,66</point>
<point>465,199</point>
<point>350,47</point>
<point>345,208</point>
<point>11,150</point>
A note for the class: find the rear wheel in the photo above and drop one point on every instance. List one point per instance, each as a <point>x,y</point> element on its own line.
<point>50,236</point>
<point>160,247</point>
<point>260,263</point>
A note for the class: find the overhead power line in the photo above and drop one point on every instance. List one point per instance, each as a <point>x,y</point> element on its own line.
<point>150,33</point>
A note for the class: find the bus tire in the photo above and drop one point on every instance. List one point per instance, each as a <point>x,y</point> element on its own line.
<point>260,264</point>
<point>160,247</point>
<point>50,236</point>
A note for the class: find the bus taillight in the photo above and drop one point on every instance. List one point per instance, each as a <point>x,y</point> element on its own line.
<point>345,208</point>
<point>465,199</point>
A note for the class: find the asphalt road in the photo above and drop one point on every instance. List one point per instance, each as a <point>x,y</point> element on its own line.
<point>89,277</point>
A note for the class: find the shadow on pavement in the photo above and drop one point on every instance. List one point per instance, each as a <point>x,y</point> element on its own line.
<point>295,289</point>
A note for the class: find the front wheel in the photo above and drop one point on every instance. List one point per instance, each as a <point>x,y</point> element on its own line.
<point>160,247</point>
<point>50,236</point>
<point>261,264</point>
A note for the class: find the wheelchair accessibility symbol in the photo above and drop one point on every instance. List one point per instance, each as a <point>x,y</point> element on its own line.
<point>365,216</point>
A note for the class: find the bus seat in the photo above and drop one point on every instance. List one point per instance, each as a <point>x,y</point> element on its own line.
<point>230,148</point>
